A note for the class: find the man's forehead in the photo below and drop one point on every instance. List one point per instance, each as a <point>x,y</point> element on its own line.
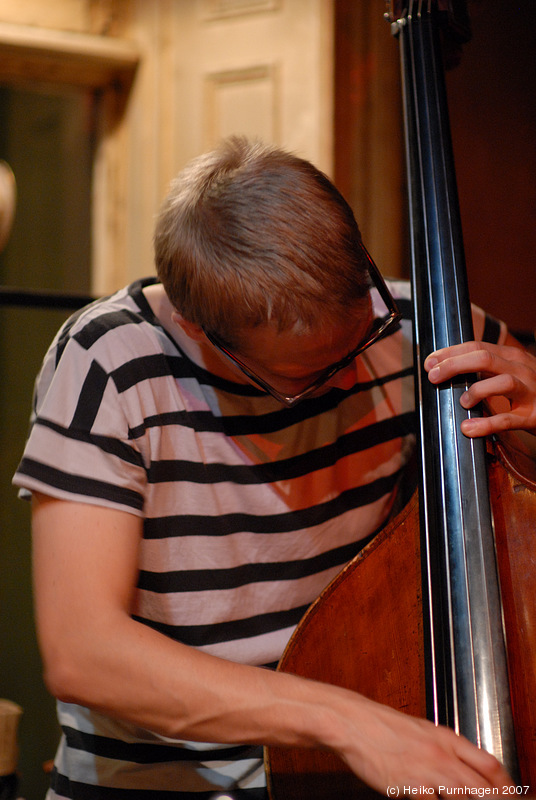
<point>338,338</point>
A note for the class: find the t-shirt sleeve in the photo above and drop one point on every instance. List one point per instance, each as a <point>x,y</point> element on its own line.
<point>487,328</point>
<point>79,447</point>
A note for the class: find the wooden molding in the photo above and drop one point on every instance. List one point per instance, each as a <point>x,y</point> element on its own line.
<point>235,97</point>
<point>29,53</point>
<point>219,9</point>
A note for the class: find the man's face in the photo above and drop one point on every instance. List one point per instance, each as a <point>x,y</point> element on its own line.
<point>289,362</point>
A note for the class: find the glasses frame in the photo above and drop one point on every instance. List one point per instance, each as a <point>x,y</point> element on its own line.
<point>383,324</point>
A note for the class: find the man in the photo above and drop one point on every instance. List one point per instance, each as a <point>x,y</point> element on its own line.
<point>206,453</point>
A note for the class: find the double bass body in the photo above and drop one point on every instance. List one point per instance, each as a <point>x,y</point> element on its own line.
<point>512,481</point>
<point>365,632</point>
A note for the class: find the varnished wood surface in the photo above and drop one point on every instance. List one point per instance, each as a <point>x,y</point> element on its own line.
<point>365,632</point>
<point>513,495</point>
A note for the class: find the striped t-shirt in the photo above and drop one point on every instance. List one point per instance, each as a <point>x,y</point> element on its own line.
<point>249,509</point>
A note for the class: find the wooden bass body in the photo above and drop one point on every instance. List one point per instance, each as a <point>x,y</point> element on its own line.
<point>365,632</point>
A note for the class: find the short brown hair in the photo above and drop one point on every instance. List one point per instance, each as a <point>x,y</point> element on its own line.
<point>250,234</point>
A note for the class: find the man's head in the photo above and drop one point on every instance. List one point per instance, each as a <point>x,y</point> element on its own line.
<point>250,235</point>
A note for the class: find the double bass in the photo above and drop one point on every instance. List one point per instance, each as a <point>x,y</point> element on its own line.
<point>436,616</point>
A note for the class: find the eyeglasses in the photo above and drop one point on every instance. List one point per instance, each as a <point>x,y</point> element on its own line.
<point>378,329</point>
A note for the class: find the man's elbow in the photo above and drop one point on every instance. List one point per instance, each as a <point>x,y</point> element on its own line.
<point>65,678</point>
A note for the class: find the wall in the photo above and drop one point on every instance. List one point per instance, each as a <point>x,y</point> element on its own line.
<point>368,135</point>
<point>493,116</point>
<point>44,136</point>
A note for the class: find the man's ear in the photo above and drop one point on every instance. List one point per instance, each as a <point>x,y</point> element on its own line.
<point>191,329</point>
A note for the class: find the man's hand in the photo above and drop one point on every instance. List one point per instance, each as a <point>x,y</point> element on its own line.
<point>507,382</point>
<point>388,749</point>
